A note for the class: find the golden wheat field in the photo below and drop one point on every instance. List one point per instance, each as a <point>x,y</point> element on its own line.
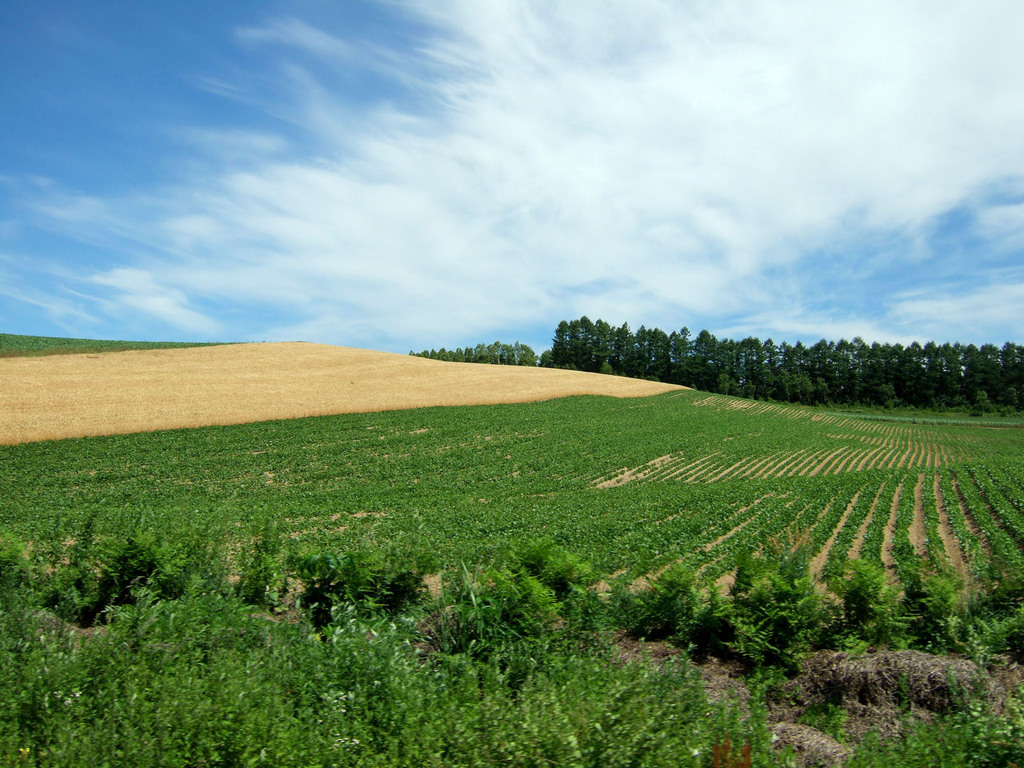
<point>43,398</point>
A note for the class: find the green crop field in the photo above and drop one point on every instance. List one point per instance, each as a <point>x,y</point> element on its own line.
<point>629,484</point>
<point>684,487</point>
<point>15,345</point>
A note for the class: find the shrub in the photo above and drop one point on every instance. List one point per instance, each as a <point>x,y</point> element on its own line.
<point>260,567</point>
<point>871,608</point>
<point>485,614</point>
<point>932,602</point>
<point>667,610</point>
<point>357,580</point>
<point>111,571</point>
<point>555,567</point>
<point>776,612</point>
<point>14,564</point>
<point>1006,635</point>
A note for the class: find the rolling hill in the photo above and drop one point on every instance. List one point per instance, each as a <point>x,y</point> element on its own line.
<point>81,395</point>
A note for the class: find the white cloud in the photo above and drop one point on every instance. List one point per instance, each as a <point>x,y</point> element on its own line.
<point>139,291</point>
<point>982,313</point>
<point>1003,225</point>
<point>59,307</point>
<point>675,156</point>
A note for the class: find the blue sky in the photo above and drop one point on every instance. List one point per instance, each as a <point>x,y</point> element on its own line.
<point>404,175</point>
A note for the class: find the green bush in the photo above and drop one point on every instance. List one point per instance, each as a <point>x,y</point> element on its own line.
<point>15,568</point>
<point>555,567</point>
<point>871,608</point>
<point>486,613</point>
<point>933,606</point>
<point>776,612</point>
<point>112,571</point>
<point>357,580</point>
<point>1006,635</point>
<point>668,609</point>
<point>261,576</point>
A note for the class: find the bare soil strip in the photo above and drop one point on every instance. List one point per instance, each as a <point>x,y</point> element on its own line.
<point>858,539</point>
<point>917,533</point>
<point>844,464</point>
<point>65,396</point>
<point>885,461</point>
<point>757,466</point>
<point>903,459</point>
<point>768,470</point>
<point>817,470</point>
<point>664,467</point>
<point>690,469</point>
<point>701,474</point>
<point>889,534</point>
<point>972,524</point>
<point>954,554</point>
<point>915,456</point>
<point>867,457</point>
<point>786,464</point>
<point>818,563</point>
<point>623,477</point>
<point>639,474</point>
<point>726,473</point>
<point>806,463</point>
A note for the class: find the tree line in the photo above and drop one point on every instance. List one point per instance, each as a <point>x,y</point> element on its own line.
<point>932,375</point>
<point>494,354</point>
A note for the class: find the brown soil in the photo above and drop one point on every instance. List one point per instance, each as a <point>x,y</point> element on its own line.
<point>56,397</point>
<point>858,539</point>
<point>917,533</point>
<point>972,524</point>
<point>693,469</point>
<point>889,533</point>
<point>949,542</point>
<point>818,563</point>
<point>802,467</point>
<point>824,463</point>
<point>727,473</point>
<point>433,584</point>
<point>868,457</point>
<point>725,582</point>
<point>756,466</point>
<point>777,468</point>
<point>627,475</point>
<point>701,473</point>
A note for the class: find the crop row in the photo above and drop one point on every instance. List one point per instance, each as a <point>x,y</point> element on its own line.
<point>801,462</point>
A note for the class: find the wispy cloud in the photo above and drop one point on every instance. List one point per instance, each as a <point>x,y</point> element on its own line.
<point>715,165</point>
<point>979,314</point>
<point>137,291</point>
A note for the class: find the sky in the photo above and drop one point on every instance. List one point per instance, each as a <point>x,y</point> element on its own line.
<point>411,175</point>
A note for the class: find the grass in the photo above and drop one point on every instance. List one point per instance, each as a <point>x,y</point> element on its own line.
<point>14,345</point>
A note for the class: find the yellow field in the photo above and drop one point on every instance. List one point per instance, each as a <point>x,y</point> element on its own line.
<point>43,398</point>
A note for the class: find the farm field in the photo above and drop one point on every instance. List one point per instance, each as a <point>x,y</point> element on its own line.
<point>77,395</point>
<point>632,493</point>
<point>632,485</point>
